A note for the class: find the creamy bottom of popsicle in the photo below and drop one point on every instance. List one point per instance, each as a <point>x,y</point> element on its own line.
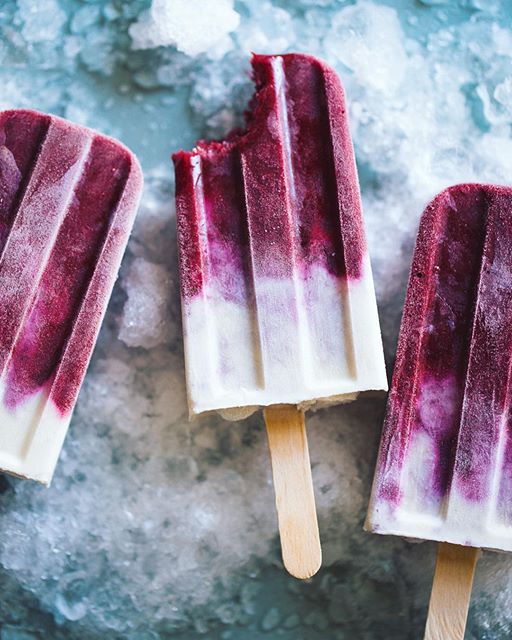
<point>420,512</point>
<point>318,344</point>
<point>465,524</point>
<point>31,436</point>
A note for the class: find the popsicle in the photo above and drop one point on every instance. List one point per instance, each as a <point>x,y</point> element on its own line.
<point>68,197</point>
<point>277,293</point>
<point>444,470</point>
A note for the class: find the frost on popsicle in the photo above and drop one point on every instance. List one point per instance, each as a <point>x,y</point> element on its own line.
<point>68,197</point>
<point>276,283</point>
<point>438,117</point>
<point>444,469</point>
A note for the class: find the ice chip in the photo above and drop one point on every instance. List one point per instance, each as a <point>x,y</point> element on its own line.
<point>193,26</point>
<point>368,39</point>
<point>42,21</point>
<point>145,320</point>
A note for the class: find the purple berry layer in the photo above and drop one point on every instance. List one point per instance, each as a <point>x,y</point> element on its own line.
<point>451,384</point>
<point>68,197</point>
<point>280,197</point>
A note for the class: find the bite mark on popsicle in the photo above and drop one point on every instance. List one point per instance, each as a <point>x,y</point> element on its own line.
<point>274,270</point>
<point>322,183</point>
<point>272,255</point>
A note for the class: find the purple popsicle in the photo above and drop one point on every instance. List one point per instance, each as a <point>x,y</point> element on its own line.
<point>68,197</point>
<point>278,303</point>
<point>444,470</point>
<point>275,274</point>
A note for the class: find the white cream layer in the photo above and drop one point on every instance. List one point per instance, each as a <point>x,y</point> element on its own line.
<point>304,342</point>
<point>422,514</point>
<point>31,437</point>
<point>462,522</point>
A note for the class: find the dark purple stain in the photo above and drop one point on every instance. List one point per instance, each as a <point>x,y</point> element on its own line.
<point>272,208</point>
<point>50,346</point>
<point>451,377</point>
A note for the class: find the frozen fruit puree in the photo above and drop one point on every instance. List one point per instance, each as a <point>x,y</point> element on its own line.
<point>68,197</point>
<point>445,464</point>
<point>277,292</point>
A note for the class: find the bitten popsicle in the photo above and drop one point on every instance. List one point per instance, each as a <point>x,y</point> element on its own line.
<point>68,197</point>
<point>278,302</point>
<point>444,470</point>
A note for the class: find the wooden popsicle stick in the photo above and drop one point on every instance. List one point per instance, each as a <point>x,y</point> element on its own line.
<point>293,486</point>
<point>451,592</point>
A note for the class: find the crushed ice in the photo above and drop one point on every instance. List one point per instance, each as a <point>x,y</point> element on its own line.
<point>154,524</point>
